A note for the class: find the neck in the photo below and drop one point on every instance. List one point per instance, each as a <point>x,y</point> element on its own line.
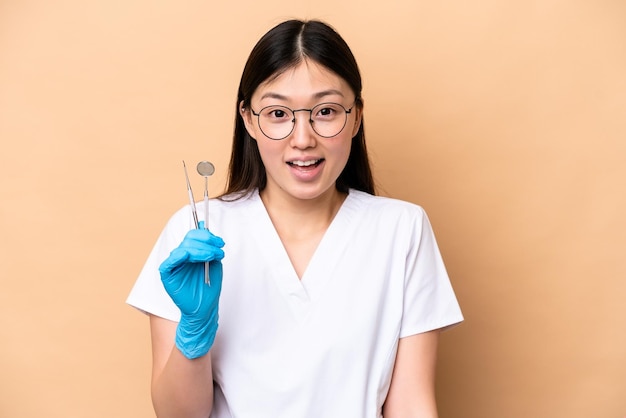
<point>294,216</point>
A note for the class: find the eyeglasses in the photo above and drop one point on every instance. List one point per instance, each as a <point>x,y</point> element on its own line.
<point>326,119</point>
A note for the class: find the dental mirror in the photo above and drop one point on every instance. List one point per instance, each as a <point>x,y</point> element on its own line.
<point>206,169</point>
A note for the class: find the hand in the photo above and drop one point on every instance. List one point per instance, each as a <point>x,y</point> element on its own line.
<point>182,274</point>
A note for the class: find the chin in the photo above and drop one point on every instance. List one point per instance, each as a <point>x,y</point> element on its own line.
<point>310,193</point>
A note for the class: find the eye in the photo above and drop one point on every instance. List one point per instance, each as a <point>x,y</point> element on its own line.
<point>276,113</point>
<point>326,111</point>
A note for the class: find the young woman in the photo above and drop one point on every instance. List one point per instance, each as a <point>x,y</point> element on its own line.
<point>332,298</point>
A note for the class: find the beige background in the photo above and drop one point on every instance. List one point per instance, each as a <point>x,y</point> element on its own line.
<point>505,120</point>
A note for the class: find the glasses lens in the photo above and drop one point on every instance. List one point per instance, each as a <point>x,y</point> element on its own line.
<point>276,122</point>
<point>328,119</point>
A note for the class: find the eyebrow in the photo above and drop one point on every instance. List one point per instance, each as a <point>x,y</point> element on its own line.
<point>319,95</point>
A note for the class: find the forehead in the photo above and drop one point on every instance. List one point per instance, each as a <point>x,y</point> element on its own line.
<point>306,80</point>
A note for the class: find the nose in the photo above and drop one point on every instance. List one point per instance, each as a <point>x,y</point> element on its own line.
<point>303,135</point>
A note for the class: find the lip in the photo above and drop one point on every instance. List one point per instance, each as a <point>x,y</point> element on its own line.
<point>306,169</point>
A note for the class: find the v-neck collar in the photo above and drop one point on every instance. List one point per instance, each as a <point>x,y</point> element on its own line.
<point>301,292</point>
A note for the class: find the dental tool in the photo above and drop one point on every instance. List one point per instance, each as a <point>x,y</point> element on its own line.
<point>192,202</point>
<point>194,213</point>
<point>206,169</point>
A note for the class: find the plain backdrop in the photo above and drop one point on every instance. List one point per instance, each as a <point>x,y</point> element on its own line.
<point>505,120</point>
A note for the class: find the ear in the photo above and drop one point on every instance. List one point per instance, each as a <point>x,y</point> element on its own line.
<point>358,117</point>
<point>246,116</point>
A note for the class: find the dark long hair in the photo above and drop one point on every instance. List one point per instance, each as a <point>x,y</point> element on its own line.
<point>282,48</point>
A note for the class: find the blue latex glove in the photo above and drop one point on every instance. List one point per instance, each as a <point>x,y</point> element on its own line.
<point>182,274</point>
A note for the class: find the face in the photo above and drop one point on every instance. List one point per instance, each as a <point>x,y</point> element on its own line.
<point>304,165</point>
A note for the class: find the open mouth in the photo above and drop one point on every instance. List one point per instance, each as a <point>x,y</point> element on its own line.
<point>305,164</point>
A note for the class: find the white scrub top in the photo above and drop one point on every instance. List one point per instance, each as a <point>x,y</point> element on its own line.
<point>323,345</point>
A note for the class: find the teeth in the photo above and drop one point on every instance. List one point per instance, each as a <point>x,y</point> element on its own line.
<point>304,163</point>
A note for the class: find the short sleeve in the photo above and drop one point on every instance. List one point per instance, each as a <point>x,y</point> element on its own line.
<point>429,299</point>
<point>148,294</point>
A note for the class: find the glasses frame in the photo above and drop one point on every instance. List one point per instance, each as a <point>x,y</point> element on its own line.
<point>311,122</point>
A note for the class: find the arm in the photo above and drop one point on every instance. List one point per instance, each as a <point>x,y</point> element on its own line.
<point>412,390</point>
<point>182,379</point>
<point>180,387</point>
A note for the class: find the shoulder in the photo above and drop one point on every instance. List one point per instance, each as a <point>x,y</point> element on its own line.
<point>385,207</point>
<point>237,205</point>
<point>220,210</point>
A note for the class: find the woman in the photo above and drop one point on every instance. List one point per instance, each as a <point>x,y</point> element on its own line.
<point>332,298</point>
